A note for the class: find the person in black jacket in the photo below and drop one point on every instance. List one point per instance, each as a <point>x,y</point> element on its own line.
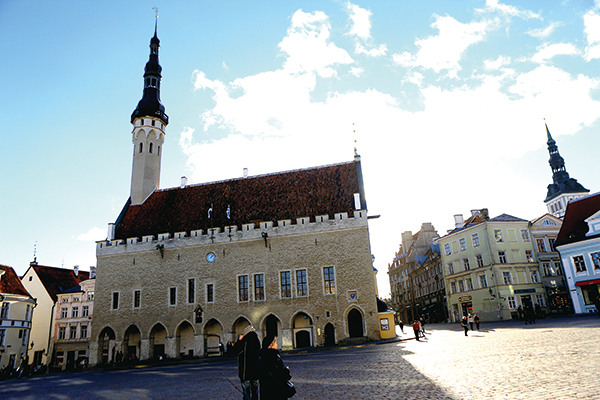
<point>273,373</point>
<point>247,349</point>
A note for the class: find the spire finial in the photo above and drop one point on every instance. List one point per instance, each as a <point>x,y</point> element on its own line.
<point>156,20</point>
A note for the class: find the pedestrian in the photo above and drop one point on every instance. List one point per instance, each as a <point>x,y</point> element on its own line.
<point>247,349</point>
<point>274,375</point>
<point>417,329</point>
<point>476,319</point>
<point>520,313</point>
<point>465,324</point>
<point>470,319</point>
<point>422,322</point>
<point>401,325</point>
<point>529,315</point>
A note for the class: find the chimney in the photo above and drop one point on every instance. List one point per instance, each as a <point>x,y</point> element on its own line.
<point>111,231</point>
<point>459,221</point>
<point>245,172</point>
<point>183,182</point>
<point>76,270</point>
<point>92,272</point>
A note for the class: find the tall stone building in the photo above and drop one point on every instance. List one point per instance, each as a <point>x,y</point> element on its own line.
<point>189,267</point>
<point>563,188</point>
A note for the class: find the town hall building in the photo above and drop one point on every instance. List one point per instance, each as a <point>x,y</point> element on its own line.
<point>185,269</point>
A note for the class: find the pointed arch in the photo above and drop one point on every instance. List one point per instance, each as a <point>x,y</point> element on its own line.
<point>185,339</point>
<point>213,335</point>
<point>158,337</point>
<point>106,340</point>
<point>302,329</point>
<point>355,320</point>
<point>131,342</point>
<point>238,326</point>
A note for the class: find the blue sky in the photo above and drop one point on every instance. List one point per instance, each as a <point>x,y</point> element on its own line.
<point>445,100</point>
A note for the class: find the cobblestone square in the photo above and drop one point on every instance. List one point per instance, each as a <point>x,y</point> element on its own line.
<point>553,359</point>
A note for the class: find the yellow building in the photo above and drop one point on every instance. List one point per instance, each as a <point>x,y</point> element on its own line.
<point>490,267</point>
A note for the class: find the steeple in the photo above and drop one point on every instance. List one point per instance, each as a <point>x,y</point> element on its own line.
<point>149,123</point>
<point>564,188</point>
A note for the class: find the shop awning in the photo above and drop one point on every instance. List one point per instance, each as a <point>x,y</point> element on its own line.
<point>585,283</point>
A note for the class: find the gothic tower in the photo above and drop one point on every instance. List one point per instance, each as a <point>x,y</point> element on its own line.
<point>564,188</point>
<point>149,123</point>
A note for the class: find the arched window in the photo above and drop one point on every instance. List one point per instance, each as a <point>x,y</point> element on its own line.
<point>158,150</point>
<point>141,147</point>
<point>150,149</point>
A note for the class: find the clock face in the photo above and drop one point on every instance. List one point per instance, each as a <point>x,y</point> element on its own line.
<point>210,257</point>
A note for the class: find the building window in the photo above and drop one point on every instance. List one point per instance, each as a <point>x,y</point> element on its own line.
<point>498,236</point>
<point>385,324</point>
<point>83,331</point>
<point>329,280</point>
<point>482,281</point>
<point>64,312</point>
<point>535,277</point>
<point>151,144</point>
<point>479,259</point>
<point>243,288</point>
<point>301,284</point>
<point>27,313</point>
<point>525,235</point>
<point>529,256</point>
<point>462,243</point>
<point>90,296</point>
<point>541,247</point>
<point>24,341</point>
<point>551,242</point>
<point>452,287</point>
<point>450,268</point>
<point>2,336</point>
<point>461,286</point>
<point>286,284</point>
<point>469,283</point>
<point>173,296</point>
<point>475,239</point>
<point>210,293</point>
<point>141,147</point>
<point>502,257</point>
<point>596,261</point>
<point>75,312</point>
<point>62,332</point>
<point>259,287</point>
<point>540,300</point>
<point>548,269</point>
<point>115,300</point>
<point>85,311</point>
<point>447,249</point>
<point>137,298</point>
<point>579,264</point>
<point>191,291</point>
<point>507,277</point>
<point>73,332</point>
<point>4,311</point>
<point>466,264</point>
<point>512,302</point>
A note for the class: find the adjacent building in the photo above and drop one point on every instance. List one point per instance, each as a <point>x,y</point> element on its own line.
<point>16,311</point>
<point>187,268</point>
<point>578,243</point>
<point>490,267</point>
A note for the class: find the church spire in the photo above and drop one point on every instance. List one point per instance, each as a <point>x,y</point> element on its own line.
<point>563,188</point>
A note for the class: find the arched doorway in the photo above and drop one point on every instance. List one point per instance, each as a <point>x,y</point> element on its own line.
<point>131,343</point>
<point>104,339</point>
<point>185,340</point>
<point>272,325</point>
<point>158,337</point>
<point>302,328</point>
<point>329,334</point>
<point>355,323</point>
<point>238,327</point>
<point>213,335</point>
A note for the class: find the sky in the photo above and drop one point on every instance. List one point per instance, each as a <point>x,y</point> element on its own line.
<point>444,101</point>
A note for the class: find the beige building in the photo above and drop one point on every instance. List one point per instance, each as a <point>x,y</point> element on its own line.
<point>16,310</point>
<point>490,267</point>
<point>188,268</point>
<point>72,324</point>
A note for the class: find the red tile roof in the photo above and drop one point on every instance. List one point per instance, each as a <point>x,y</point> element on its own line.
<point>574,227</point>
<point>55,280</point>
<point>286,195</point>
<point>10,282</point>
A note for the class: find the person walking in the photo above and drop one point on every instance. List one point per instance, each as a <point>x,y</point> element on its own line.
<point>422,322</point>
<point>471,321</point>
<point>401,325</point>
<point>247,349</point>
<point>465,324</point>
<point>274,375</point>
<point>476,319</point>
<point>417,329</point>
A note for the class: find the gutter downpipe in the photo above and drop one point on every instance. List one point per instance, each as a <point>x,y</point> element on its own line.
<point>487,241</point>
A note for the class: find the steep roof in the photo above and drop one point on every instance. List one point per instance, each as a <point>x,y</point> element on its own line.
<point>507,218</point>
<point>55,280</point>
<point>279,196</point>
<point>10,282</point>
<point>574,227</point>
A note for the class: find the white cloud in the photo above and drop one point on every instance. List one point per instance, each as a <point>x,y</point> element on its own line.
<point>356,71</point>
<point>94,234</point>
<point>511,11</point>
<point>547,51</point>
<point>374,52</point>
<point>225,66</point>
<point>543,33</point>
<point>360,19</point>
<point>497,63</point>
<point>445,50</point>
<point>591,22</point>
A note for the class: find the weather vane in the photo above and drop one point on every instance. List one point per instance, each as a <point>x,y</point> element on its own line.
<point>155,11</point>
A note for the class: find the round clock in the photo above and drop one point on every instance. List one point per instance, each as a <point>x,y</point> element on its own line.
<point>210,257</point>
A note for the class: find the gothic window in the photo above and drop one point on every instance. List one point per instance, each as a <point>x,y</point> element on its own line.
<point>141,147</point>
<point>150,147</point>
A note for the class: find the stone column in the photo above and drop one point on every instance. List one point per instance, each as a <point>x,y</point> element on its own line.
<point>144,349</point>
<point>171,347</point>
